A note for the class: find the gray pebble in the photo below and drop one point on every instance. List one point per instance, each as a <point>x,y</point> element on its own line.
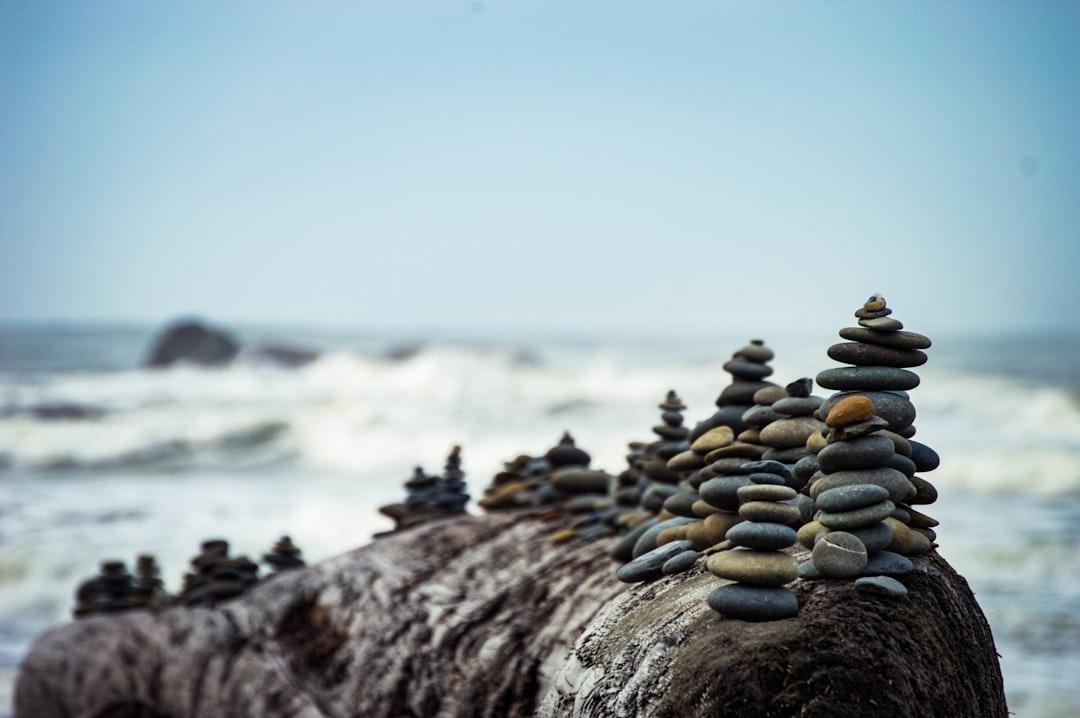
<point>649,566</point>
<point>881,586</point>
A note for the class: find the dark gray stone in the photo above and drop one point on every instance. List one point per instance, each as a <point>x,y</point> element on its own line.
<point>882,324</point>
<point>846,498</point>
<point>872,378</point>
<point>881,586</point>
<point>680,504</point>
<point>839,555</point>
<point>761,535</point>
<point>808,571</point>
<point>650,565</point>
<point>654,498</point>
<point>875,537</point>
<point>804,469</point>
<point>925,458</point>
<point>623,549</point>
<point>760,416</point>
<point>895,409</point>
<point>647,541</point>
<point>887,563</point>
<point>900,489</point>
<point>743,369</point>
<point>864,452</point>
<point>680,562</point>
<point>925,493</point>
<point>875,355</point>
<point>856,518</point>
<point>902,464</point>
<point>192,342</point>
<point>721,491</point>
<point>798,405</point>
<point>753,603</point>
<point>789,455</point>
<point>765,467</point>
<point>899,340</point>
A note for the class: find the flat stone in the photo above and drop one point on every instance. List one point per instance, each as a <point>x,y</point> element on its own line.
<point>901,445</point>
<point>907,432</point>
<point>901,514</point>
<point>805,505</point>
<point>680,562</point>
<point>925,493</point>
<point>900,536</point>
<point>758,568</point>
<point>881,586</point>
<point>786,456</point>
<point>575,480</point>
<point>768,479</point>
<point>920,544</point>
<point>925,458</point>
<point>725,467</point>
<point>682,503</point>
<point>764,492</point>
<point>721,492</point>
<point>865,313</point>
<point>804,469</point>
<point>839,555</point>
<point>673,533</point>
<point>902,464</point>
<point>928,533</point>
<point>875,537</point>
<point>873,425</point>
<point>762,535</point>
<point>789,432</point>
<point>896,484</point>
<point>756,352</point>
<point>808,534</point>
<point>647,541</point>
<point>808,571</point>
<point>856,518</point>
<point>769,395</point>
<point>650,565</point>
<point>686,461</point>
<point>743,392</point>
<point>846,498</point>
<point>702,508</point>
<point>899,340</point>
<point>655,496</point>
<point>798,405</point>
<point>893,408</point>
<point>623,548</point>
<point>882,324</point>
<point>737,450</point>
<point>717,525</point>
<point>765,466</point>
<point>743,369</point>
<point>919,520</point>
<point>712,439</point>
<point>749,436</point>
<point>850,410</point>
<point>760,416</point>
<point>865,452</point>
<point>887,563</point>
<point>873,378</point>
<point>753,603</point>
<point>875,355</point>
<point>770,512</point>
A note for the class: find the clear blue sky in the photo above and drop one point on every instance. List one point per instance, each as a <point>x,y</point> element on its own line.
<point>585,166</point>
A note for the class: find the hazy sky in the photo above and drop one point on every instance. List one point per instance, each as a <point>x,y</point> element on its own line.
<point>580,166</point>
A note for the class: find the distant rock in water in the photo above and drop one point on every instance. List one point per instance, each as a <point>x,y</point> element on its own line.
<point>284,354</point>
<point>192,342</point>
<point>403,352</point>
<point>62,411</point>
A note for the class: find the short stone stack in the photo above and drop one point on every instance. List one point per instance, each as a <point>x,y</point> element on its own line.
<point>420,492</point>
<point>748,367</point>
<point>880,355</point>
<point>112,590</point>
<point>792,423</point>
<point>514,486</point>
<point>758,565</point>
<point>855,496</point>
<point>672,440</point>
<point>216,576</point>
<point>284,555</point>
<point>149,588</point>
<point>452,495</point>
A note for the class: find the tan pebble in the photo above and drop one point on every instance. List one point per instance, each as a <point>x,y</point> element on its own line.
<point>921,520</point>
<point>919,544</point>
<point>815,442</point>
<point>760,568</point>
<point>703,508</point>
<point>901,445</point>
<point>769,395</point>
<point>808,534</point>
<point>875,303</point>
<point>672,533</point>
<point>769,511</point>
<point>717,525</point>
<point>750,436</point>
<point>850,410</point>
<point>502,497</point>
<point>717,548</point>
<point>686,461</point>
<point>696,532</point>
<point>664,515</point>
<point>713,439</point>
<point>901,536</point>
<point>562,536</point>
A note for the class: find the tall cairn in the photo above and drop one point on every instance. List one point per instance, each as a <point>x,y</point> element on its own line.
<point>672,439</point>
<point>748,368</point>
<point>112,590</point>
<point>452,496</point>
<point>880,355</point>
<point>284,556</point>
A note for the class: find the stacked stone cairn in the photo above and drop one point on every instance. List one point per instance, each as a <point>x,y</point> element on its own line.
<point>451,495</point>
<point>515,486</point>
<point>284,555</point>
<point>216,576</point>
<point>856,494</point>
<point>112,590</point>
<point>149,588</point>
<point>420,492</point>
<point>758,564</point>
<point>579,490</point>
<point>748,367</point>
<point>880,355</point>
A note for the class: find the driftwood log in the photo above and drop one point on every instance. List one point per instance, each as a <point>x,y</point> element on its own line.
<point>482,616</point>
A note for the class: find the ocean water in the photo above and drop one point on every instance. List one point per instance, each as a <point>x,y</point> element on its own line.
<point>160,460</point>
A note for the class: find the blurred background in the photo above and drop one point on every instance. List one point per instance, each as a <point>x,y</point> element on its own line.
<point>489,222</point>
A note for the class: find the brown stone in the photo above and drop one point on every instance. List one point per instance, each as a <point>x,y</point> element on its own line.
<point>672,533</point>
<point>562,536</point>
<point>713,439</point>
<point>717,525</point>
<point>686,461</point>
<point>703,508</point>
<point>761,568</point>
<point>901,536</point>
<point>808,533</point>
<point>850,410</point>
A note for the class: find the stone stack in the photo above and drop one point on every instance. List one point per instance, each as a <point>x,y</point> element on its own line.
<point>420,493</point>
<point>149,588</point>
<point>748,367</point>
<point>452,494</point>
<point>672,440</point>
<point>112,590</point>
<point>285,555</point>
<point>792,423</point>
<point>856,495</point>
<point>216,576</point>
<point>880,355</point>
<point>758,565</point>
<point>514,485</point>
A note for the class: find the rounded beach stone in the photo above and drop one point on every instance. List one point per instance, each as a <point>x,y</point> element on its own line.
<point>744,369</point>
<point>741,393</point>
<point>893,481</point>
<point>873,425</point>
<point>925,458</point>
<point>764,467</point>
<point>713,439</point>
<point>899,536</point>
<point>679,562</point>
<point>925,493</point>
<point>685,461</point>
<point>762,535</point>
<point>788,455</point>
<point>805,505</point>
<point>902,464</point>
<point>756,351</point>
<point>681,504</point>
<point>920,544</point>
<point>873,378</point>
<point>702,508</point>
<point>898,340</point>
<point>717,525</point>
<point>875,355</point>
<point>882,324</point>
<point>768,479</point>
<point>856,518</point>
<point>758,568</point>
<point>815,443</point>
<point>850,410</point>
<point>887,563</point>
<point>808,571</point>
<point>698,535</point>
<point>749,436</point>
<point>804,469</point>
<point>928,533</point>
<point>769,395</point>
<point>881,586</point>
<point>846,498</point>
<point>921,520</point>
<point>650,565</point>
<point>901,445</point>
<point>672,533</point>
<point>753,603</point>
<point>876,303</point>
<point>577,480</point>
<point>737,450</point>
<point>765,492</point>
<point>839,555</point>
<point>864,452</point>
<point>893,408</point>
<point>647,541</point>
<point>808,534</point>
<point>789,432</point>
<point>722,491</point>
<point>760,416</point>
<point>654,498</point>
<point>623,548</point>
<point>798,405</point>
<point>875,537</point>
<point>769,511</point>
